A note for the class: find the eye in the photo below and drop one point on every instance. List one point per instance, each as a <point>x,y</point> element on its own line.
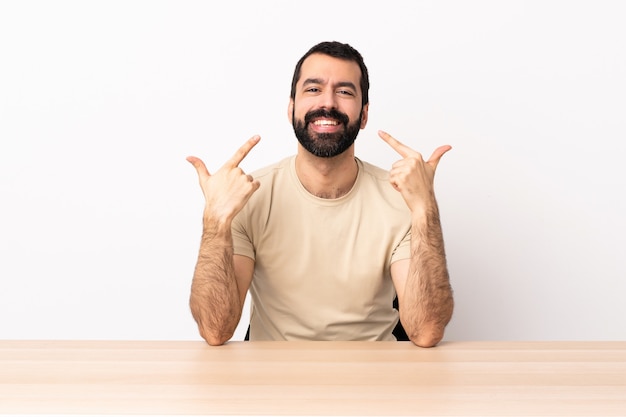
<point>345,92</point>
<point>312,90</point>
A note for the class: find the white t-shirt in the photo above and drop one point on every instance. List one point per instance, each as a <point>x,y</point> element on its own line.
<point>322,266</point>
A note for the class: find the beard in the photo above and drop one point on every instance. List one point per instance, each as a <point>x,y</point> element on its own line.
<point>326,145</point>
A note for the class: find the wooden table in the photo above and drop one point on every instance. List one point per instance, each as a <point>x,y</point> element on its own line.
<point>313,378</point>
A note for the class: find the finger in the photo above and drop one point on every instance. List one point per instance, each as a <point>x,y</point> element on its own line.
<point>199,166</point>
<point>437,154</point>
<point>243,151</point>
<point>398,146</point>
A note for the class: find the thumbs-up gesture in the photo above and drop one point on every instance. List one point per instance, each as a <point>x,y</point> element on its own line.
<point>412,176</point>
<point>228,190</point>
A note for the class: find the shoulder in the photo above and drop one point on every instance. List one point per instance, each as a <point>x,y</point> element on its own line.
<point>269,172</point>
<point>374,176</point>
<point>375,186</point>
<point>275,180</point>
<point>373,172</point>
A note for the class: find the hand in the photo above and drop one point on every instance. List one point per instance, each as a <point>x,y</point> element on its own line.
<point>227,190</point>
<point>411,176</point>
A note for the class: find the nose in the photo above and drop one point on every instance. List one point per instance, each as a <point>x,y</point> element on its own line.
<point>328,99</point>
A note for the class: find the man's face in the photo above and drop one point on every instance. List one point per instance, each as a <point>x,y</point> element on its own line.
<point>327,112</point>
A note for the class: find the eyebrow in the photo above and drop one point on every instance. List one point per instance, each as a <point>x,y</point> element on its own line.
<point>321,81</point>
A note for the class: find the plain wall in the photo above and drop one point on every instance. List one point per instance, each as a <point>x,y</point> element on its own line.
<point>100,103</point>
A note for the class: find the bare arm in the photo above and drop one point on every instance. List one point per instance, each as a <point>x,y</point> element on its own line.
<point>219,286</point>
<point>423,285</point>
<point>422,282</point>
<point>221,280</point>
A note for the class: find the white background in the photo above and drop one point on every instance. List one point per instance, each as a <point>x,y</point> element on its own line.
<point>100,103</point>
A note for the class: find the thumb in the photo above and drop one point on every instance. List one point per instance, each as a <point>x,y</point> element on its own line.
<point>437,154</point>
<point>201,169</point>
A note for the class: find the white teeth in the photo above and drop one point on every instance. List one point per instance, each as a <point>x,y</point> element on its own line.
<point>325,123</point>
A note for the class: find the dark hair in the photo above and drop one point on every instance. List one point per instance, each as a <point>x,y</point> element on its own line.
<point>335,50</point>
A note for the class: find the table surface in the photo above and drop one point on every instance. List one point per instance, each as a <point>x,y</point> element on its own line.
<point>313,378</point>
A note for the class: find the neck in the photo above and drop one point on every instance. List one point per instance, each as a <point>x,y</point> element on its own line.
<point>327,177</point>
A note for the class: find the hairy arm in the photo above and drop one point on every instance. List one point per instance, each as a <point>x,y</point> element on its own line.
<point>221,279</point>
<point>216,302</point>
<point>422,282</point>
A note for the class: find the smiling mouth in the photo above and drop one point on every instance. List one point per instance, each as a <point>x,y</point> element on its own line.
<point>325,122</point>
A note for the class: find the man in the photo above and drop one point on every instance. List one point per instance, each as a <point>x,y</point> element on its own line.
<point>323,240</point>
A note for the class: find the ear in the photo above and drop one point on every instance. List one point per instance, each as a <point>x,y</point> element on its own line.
<point>364,113</point>
<point>290,111</point>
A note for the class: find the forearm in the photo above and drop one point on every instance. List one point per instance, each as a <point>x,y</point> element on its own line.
<point>215,301</point>
<point>428,301</point>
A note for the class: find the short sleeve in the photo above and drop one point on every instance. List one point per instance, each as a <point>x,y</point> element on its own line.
<point>403,250</point>
<point>242,244</point>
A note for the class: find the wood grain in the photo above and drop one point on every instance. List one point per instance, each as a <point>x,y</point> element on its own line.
<point>313,378</point>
